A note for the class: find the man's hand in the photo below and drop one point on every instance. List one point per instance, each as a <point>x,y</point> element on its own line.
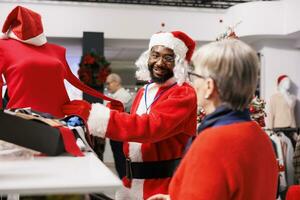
<point>159,197</point>
<point>80,108</point>
<point>115,106</point>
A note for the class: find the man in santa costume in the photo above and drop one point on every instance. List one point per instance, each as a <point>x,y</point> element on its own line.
<point>162,118</point>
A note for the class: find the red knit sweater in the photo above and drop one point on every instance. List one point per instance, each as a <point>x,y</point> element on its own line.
<point>235,162</point>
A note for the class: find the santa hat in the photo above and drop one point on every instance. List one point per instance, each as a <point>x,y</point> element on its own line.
<point>280,78</point>
<point>24,25</point>
<point>183,47</point>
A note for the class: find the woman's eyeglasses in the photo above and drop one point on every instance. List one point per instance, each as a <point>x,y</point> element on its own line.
<point>193,76</point>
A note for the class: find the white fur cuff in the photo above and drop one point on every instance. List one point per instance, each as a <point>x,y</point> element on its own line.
<point>36,41</point>
<point>98,119</point>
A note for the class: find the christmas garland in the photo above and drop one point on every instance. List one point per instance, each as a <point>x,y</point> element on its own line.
<point>93,69</point>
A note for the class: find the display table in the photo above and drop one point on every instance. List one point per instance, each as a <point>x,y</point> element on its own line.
<point>57,175</point>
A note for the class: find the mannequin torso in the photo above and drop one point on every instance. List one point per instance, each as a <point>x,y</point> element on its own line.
<point>281,107</point>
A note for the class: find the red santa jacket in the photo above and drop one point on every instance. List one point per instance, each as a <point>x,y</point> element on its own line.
<point>230,162</point>
<point>154,134</point>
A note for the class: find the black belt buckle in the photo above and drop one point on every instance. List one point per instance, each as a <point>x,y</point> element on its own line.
<point>128,169</point>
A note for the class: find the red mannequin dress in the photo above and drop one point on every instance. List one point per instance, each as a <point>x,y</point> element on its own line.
<point>34,70</point>
<point>35,76</point>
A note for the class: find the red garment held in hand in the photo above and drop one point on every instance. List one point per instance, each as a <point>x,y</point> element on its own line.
<point>115,106</point>
<point>80,108</point>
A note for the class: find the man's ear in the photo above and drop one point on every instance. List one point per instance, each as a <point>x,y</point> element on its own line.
<point>210,87</point>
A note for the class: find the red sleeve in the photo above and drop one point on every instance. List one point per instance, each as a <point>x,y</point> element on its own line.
<point>170,116</point>
<point>1,85</point>
<point>1,80</point>
<point>201,175</point>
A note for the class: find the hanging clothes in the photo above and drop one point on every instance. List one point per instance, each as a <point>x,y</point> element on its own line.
<point>282,175</point>
<point>296,161</point>
<point>288,158</point>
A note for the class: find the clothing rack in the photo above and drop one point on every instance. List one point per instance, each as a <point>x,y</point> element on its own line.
<point>284,129</point>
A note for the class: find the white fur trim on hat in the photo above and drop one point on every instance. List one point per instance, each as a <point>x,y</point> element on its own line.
<point>36,41</point>
<point>168,40</point>
<point>98,119</point>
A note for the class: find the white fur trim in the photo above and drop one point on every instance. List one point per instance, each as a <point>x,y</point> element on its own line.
<point>168,40</point>
<point>98,119</point>
<point>133,193</point>
<point>135,152</point>
<point>123,193</point>
<point>36,41</point>
<point>3,36</point>
<point>137,189</point>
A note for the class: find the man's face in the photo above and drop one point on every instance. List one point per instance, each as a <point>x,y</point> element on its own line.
<point>112,86</point>
<point>161,63</point>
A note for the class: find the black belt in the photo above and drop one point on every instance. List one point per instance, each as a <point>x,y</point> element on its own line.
<point>151,170</point>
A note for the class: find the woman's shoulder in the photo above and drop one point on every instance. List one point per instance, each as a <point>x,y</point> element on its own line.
<point>235,130</point>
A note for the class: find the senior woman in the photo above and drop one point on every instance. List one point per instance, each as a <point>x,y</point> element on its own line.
<point>232,157</point>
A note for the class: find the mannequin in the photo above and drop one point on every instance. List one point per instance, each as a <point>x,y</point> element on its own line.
<point>282,105</point>
<point>281,115</point>
<point>35,70</point>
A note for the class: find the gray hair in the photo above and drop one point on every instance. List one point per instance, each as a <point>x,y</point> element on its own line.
<point>114,77</point>
<point>233,65</point>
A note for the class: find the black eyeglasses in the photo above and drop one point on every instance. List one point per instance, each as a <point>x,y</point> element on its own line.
<point>165,59</point>
<point>192,76</point>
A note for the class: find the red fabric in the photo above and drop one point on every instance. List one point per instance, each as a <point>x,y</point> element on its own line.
<point>25,23</point>
<point>232,162</point>
<point>77,107</point>
<point>189,43</point>
<point>113,106</point>
<point>164,132</point>
<point>1,85</point>
<point>293,193</point>
<point>70,141</point>
<point>34,76</point>
<point>38,83</point>
<point>280,78</point>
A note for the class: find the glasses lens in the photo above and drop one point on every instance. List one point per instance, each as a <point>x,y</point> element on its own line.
<point>169,58</point>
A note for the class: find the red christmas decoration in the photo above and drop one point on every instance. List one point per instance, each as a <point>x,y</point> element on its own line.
<point>257,111</point>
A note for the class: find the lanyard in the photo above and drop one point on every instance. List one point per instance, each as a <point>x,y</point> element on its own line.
<point>157,96</point>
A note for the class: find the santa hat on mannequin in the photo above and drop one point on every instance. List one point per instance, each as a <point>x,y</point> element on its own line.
<point>280,78</point>
<point>24,25</point>
<point>183,47</point>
